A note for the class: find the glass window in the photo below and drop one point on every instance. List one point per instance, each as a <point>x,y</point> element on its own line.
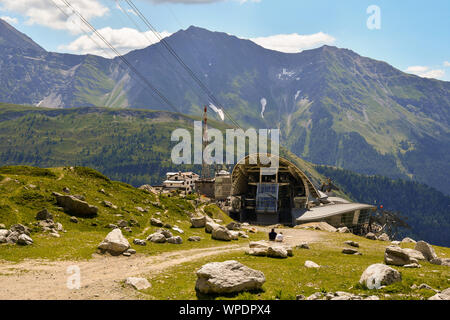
<point>267,197</point>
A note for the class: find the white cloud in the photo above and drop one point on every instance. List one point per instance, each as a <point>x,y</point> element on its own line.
<point>45,13</point>
<point>446,64</point>
<point>426,72</point>
<point>199,1</point>
<point>123,40</point>
<point>292,43</point>
<point>10,20</point>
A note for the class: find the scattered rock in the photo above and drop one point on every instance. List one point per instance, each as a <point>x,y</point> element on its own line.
<point>131,251</point>
<point>194,238</point>
<point>300,297</point>
<point>109,204</point>
<point>234,226</point>
<point>54,234</point>
<point>350,251</point>
<point>24,240</point>
<point>175,228</point>
<point>20,228</point>
<point>441,262</point>
<point>74,219</point>
<point>352,243</point>
<point>4,232</point>
<point>12,237</point>
<point>156,222</point>
<point>138,283</point>
<point>234,235</point>
<point>75,206</point>
<point>2,226</point>
<point>343,230</point>
<point>408,240</point>
<point>114,243</point>
<point>371,236</point>
<point>122,223</point>
<point>175,240</point>
<point>165,233</point>
<point>140,242</point>
<point>126,254</point>
<point>167,225</point>
<point>397,256</point>
<point>111,226</point>
<point>242,234</point>
<point>228,277</point>
<point>198,222</point>
<point>156,238</point>
<point>149,189</point>
<point>426,250</point>
<point>383,237</point>
<point>66,190</point>
<point>311,264</point>
<point>44,214</point>
<point>377,275</point>
<point>303,245</point>
<point>396,243</point>
<point>412,265</point>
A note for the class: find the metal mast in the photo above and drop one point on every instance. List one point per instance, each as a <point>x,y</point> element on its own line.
<point>206,170</point>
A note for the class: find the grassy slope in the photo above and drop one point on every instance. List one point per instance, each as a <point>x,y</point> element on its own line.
<point>19,204</point>
<point>286,278</point>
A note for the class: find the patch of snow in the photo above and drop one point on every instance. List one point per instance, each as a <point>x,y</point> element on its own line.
<point>296,95</point>
<point>263,106</point>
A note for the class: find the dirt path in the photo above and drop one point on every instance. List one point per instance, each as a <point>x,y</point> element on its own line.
<point>101,276</point>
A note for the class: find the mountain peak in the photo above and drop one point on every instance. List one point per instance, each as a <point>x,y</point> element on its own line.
<point>10,37</point>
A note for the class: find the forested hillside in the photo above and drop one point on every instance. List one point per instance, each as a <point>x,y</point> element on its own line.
<point>427,209</point>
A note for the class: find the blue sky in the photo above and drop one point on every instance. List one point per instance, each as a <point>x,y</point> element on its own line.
<point>413,35</point>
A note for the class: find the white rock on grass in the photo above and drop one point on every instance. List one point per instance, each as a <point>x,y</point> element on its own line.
<point>311,264</point>
<point>138,283</point>
<point>114,243</point>
<point>221,233</point>
<point>426,250</point>
<point>228,277</point>
<point>24,240</point>
<point>444,295</point>
<point>377,275</point>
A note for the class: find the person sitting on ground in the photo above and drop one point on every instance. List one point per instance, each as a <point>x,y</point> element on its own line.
<point>279,237</point>
<point>272,235</point>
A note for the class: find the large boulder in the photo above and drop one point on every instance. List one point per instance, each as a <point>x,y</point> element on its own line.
<point>349,251</point>
<point>24,240</point>
<point>198,222</point>
<point>277,252</point>
<point>74,206</point>
<point>210,226</point>
<point>228,277</point>
<point>408,240</point>
<point>377,275</point>
<point>138,283</point>
<point>44,214</point>
<point>114,243</point>
<point>371,236</point>
<point>13,237</point>
<point>397,256</point>
<point>4,233</point>
<point>441,261</point>
<point>414,254</point>
<point>383,237</point>
<point>444,295</point>
<point>352,243</point>
<point>426,250</point>
<point>221,233</point>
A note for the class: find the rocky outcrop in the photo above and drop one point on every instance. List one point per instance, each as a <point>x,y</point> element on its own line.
<point>114,243</point>
<point>75,206</point>
<point>377,275</point>
<point>228,277</point>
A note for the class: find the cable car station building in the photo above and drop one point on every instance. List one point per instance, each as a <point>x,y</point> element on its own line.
<point>264,195</point>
